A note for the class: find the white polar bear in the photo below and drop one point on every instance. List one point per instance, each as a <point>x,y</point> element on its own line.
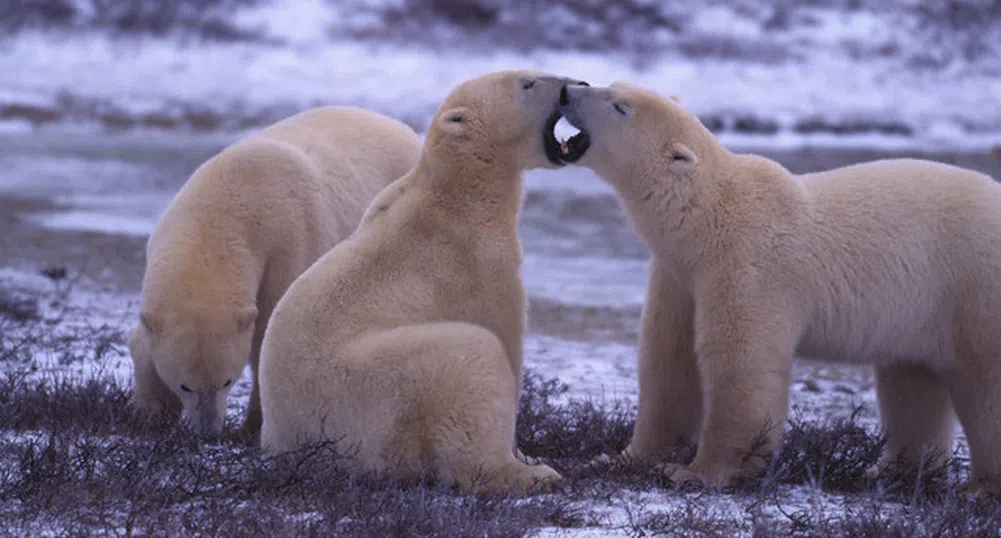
<point>894,263</point>
<point>247,223</point>
<point>404,343</point>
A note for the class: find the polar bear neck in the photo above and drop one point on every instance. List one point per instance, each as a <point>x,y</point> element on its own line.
<point>666,208</point>
<point>686,221</point>
<point>203,269</point>
<point>485,186</point>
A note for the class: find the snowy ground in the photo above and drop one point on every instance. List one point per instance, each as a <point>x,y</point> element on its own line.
<point>77,313</point>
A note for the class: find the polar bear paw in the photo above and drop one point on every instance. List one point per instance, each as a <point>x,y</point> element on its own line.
<point>693,476</point>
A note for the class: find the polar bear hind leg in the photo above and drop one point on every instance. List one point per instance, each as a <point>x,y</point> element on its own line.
<point>915,410</point>
<point>462,406</point>
<point>977,401</point>
<point>974,381</point>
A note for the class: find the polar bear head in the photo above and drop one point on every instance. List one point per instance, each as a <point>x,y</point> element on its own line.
<point>630,132</point>
<point>505,116</point>
<point>198,354</point>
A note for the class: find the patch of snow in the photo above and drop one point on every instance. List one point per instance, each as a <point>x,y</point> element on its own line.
<point>94,221</point>
<point>73,315</point>
<point>720,20</point>
<point>60,175</point>
<point>602,371</point>
<point>296,22</point>
<point>586,280</point>
<point>575,179</point>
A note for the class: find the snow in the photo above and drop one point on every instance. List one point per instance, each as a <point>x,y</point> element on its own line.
<point>723,21</point>
<point>95,221</point>
<point>73,313</point>
<point>602,371</point>
<point>631,509</point>
<point>310,66</point>
<point>586,280</point>
<point>307,23</point>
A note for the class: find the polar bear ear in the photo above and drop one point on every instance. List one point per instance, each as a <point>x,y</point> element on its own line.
<point>453,121</point>
<point>245,318</point>
<point>675,99</point>
<point>682,159</point>
<point>149,322</point>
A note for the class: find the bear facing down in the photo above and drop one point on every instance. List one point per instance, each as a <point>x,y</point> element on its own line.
<point>245,224</point>
<point>404,343</point>
<point>894,263</point>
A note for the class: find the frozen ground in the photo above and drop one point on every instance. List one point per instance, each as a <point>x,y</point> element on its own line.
<point>84,338</point>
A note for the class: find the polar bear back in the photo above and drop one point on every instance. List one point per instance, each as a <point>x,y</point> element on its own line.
<point>381,147</point>
<point>906,193</point>
<point>896,248</point>
<point>291,190</point>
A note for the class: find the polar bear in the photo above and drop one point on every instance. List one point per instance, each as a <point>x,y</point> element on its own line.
<point>245,224</point>
<point>894,263</point>
<point>404,343</point>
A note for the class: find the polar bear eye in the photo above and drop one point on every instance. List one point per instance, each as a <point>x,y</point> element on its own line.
<point>621,108</point>
<point>185,388</point>
<point>527,84</point>
<point>227,383</point>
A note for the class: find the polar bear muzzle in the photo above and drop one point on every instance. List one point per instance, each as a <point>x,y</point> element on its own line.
<point>205,417</point>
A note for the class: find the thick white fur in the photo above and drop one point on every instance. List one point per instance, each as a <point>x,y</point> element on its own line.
<point>404,343</point>
<point>894,263</point>
<point>247,223</point>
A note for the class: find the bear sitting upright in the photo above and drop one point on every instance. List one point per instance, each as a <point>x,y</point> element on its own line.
<point>894,263</point>
<point>404,343</point>
<point>245,224</point>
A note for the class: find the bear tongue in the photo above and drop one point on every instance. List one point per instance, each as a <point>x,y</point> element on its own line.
<point>564,131</point>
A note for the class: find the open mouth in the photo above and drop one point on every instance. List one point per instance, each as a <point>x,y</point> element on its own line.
<point>563,142</point>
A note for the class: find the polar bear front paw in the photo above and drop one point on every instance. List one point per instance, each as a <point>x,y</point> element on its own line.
<point>694,477</point>
<point>543,479</point>
<point>680,475</point>
<point>519,478</point>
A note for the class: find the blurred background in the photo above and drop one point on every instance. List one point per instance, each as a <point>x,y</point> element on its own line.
<point>898,73</point>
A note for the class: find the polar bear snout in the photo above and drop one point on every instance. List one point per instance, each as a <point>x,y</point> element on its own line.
<point>564,97</point>
<point>204,414</point>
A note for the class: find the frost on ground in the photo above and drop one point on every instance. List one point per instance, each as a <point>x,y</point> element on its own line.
<point>54,324</point>
<point>783,73</point>
<point>75,459</point>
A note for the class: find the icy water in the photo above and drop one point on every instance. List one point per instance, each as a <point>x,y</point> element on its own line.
<point>86,201</point>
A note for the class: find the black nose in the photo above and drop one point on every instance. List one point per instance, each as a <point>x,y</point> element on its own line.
<point>564,98</point>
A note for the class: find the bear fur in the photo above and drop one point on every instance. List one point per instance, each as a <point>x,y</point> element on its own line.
<point>404,343</point>
<point>894,263</point>
<point>246,224</point>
